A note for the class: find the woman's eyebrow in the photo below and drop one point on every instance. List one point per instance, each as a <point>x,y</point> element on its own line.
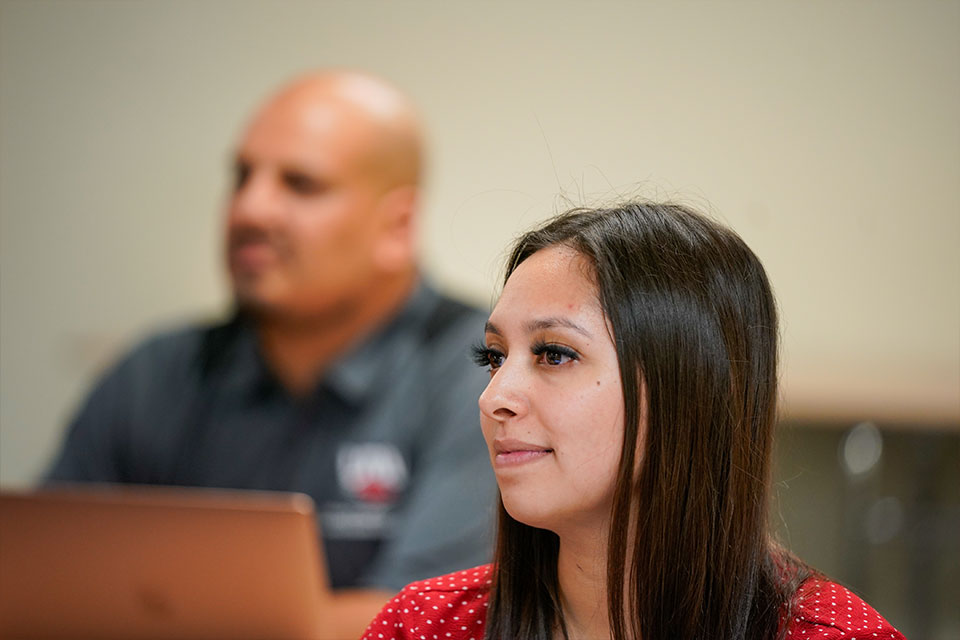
<point>550,323</point>
<point>540,324</point>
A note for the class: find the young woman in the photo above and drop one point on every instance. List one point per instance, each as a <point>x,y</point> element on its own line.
<point>629,418</point>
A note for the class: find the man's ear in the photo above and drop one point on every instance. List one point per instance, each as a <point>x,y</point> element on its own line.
<point>397,231</point>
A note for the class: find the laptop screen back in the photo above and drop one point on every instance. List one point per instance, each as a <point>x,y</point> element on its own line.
<point>141,563</point>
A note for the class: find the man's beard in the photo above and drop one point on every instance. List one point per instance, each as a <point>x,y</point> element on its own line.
<point>281,316</point>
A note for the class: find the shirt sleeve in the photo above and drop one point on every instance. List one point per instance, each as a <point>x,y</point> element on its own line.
<point>131,418</point>
<point>92,448</point>
<point>447,519</point>
<point>829,611</point>
<point>806,630</point>
<point>387,625</point>
<point>450,607</point>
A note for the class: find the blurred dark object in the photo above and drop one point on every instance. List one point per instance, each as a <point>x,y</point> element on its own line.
<point>877,507</point>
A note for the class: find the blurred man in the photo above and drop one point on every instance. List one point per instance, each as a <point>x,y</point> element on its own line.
<point>341,375</point>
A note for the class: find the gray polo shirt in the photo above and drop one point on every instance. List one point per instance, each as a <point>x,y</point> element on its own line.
<point>388,445</point>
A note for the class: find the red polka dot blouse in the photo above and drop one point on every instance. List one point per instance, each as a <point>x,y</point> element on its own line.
<point>454,607</point>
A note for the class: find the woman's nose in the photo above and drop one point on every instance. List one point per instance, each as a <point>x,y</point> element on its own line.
<point>506,395</point>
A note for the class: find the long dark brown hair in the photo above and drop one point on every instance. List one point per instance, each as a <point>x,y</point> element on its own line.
<point>695,327</point>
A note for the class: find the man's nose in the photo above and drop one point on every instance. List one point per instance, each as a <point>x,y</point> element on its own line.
<point>257,201</point>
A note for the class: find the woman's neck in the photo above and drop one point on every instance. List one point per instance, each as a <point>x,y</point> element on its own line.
<point>582,578</point>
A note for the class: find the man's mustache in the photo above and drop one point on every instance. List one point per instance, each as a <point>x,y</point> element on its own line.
<point>240,237</point>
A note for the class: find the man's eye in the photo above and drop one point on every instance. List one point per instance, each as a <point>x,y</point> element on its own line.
<point>241,171</point>
<point>302,184</point>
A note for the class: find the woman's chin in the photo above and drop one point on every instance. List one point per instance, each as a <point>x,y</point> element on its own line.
<point>529,511</point>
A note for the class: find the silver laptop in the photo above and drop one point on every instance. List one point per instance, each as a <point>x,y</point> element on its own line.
<point>142,563</point>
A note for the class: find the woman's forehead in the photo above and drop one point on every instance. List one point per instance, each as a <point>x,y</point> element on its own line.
<point>554,282</point>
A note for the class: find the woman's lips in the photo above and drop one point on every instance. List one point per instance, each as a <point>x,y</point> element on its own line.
<point>510,458</point>
<point>514,452</point>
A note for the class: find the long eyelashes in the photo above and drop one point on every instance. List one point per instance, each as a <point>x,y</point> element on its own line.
<point>546,353</point>
<point>553,354</point>
<point>486,357</point>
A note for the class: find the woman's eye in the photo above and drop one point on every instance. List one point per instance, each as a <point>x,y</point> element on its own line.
<point>486,357</point>
<point>554,355</point>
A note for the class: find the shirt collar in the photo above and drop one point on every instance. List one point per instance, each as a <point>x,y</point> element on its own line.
<point>246,370</point>
<point>352,376</point>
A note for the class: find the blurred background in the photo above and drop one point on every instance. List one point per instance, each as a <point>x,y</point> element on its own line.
<point>827,134</point>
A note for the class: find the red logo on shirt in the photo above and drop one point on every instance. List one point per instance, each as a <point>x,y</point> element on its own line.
<point>371,472</point>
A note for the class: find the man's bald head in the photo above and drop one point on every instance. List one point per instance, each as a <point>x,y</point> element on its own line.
<point>381,121</point>
<point>321,220</point>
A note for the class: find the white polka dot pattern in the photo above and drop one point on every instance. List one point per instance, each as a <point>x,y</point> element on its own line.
<point>451,607</point>
<point>454,607</point>
<point>828,611</point>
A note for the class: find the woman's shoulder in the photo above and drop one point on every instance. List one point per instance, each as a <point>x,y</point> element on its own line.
<point>450,607</point>
<point>826,610</point>
<point>467,580</point>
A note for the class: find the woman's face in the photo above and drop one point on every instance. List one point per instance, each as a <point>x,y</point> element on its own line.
<point>552,414</point>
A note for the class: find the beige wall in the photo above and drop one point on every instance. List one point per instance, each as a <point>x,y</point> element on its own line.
<point>826,133</point>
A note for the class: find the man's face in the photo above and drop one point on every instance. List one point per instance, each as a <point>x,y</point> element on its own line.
<point>301,222</point>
